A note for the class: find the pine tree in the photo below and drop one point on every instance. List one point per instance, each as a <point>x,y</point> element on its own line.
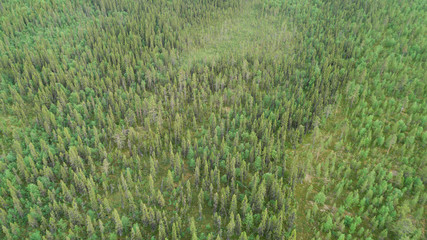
<point>249,220</point>
<point>238,225</point>
<point>210,236</point>
<point>293,235</point>
<point>6,233</point>
<point>101,228</point>
<point>160,199</point>
<point>169,181</point>
<point>244,206</point>
<point>162,232</point>
<point>89,226</point>
<point>231,227</point>
<point>320,198</point>
<point>263,224</point>
<point>259,197</point>
<point>193,229</point>
<point>118,222</point>
<point>327,226</point>
<point>136,232</point>
<point>200,198</point>
<point>233,204</point>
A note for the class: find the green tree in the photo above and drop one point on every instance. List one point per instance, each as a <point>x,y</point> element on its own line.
<point>231,227</point>
<point>328,225</point>
<point>320,198</point>
<point>118,222</point>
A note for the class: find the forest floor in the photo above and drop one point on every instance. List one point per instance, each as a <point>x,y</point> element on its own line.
<point>328,136</point>
<point>248,31</point>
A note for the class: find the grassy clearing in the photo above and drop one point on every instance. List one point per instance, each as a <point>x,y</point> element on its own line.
<point>246,32</point>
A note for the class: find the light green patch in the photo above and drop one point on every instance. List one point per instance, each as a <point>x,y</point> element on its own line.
<point>246,32</point>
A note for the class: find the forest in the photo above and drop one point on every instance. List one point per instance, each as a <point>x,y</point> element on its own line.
<point>213,119</point>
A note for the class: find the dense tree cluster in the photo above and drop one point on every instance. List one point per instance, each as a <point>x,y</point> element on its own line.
<point>109,133</point>
<point>369,168</point>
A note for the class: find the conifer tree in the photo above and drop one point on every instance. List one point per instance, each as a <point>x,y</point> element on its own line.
<point>118,222</point>
<point>231,227</point>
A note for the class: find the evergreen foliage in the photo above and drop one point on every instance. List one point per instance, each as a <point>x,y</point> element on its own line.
<point>213,119</point>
